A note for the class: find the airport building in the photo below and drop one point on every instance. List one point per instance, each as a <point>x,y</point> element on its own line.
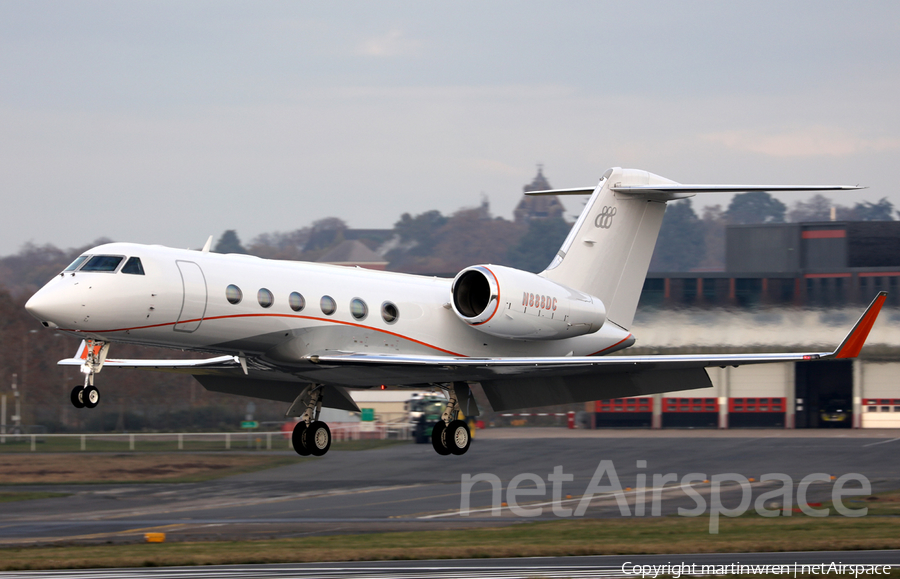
<point>785,287</point>
<point>841,394</point>
<point>824,265</point>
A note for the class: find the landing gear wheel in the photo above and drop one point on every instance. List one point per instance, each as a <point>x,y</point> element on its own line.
<point>297,439</point>
<point>91,397</point>
<point>438,438</point>
<point>318,438</point>
<point>77,401</point>
<point>457,437</point>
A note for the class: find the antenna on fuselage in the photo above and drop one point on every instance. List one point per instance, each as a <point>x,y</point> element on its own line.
<point>208,245</point>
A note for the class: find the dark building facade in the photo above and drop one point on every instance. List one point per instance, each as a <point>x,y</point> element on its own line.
<point>801,264</point>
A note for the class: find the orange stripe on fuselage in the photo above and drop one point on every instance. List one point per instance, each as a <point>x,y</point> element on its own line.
<point>291,316</point>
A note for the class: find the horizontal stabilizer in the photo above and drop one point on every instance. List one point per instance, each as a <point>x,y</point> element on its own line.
<point>681,188</point>
<point>575,191</point>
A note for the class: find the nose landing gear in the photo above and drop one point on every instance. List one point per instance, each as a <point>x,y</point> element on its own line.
<point>88,396</point>
<point>77,402</point>
<point>85,397</point>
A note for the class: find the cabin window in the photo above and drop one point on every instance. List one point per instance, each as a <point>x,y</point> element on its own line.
<point>106,263</point>
<point>389,312</point>
<point>133,266</point>
<point>296,301</point>
<point>78,261</point>
<point>234,294</point>
<point>328,305</point>
<point>358,309</point>
<point>265,297</point>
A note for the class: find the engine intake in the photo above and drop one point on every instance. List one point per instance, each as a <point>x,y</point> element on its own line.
<point>510,303</point>
<point>476,294</point>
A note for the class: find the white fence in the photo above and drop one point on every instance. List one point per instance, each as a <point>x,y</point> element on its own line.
<point>247,440</point>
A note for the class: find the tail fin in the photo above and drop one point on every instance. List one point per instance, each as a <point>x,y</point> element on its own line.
<point>608,250</point>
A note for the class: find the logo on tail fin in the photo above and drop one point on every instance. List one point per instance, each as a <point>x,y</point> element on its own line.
<point>605,218</point>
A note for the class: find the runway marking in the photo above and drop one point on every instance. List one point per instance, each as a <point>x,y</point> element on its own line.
<point>395,501</point>
<point>881,442</point>
<point>120,514</point>
<point>565,501</point>
<point>448,513</point>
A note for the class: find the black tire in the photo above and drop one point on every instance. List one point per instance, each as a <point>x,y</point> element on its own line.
<point>458,437</point>
<point>76,397</point>
<point>90,397</point>
<point>297,439</point>
<point>318,438</point>
<point>437,438</point>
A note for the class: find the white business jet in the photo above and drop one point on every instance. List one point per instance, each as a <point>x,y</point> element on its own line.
<point>305,333</point>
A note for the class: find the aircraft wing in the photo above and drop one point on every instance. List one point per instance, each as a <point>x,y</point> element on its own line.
<point>517,382</point>
<point>848,348</point>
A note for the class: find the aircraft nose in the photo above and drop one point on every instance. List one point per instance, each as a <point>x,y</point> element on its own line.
<point>47,306</point>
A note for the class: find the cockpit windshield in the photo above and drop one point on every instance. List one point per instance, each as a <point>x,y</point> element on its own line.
<point>103,263</point>
<point>78,261</point>
<point>133,266</point>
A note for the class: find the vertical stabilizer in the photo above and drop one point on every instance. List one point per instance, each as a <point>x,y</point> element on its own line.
<point>608,250</point>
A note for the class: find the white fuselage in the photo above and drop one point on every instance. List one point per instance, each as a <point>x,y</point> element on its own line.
<point>181,301</point>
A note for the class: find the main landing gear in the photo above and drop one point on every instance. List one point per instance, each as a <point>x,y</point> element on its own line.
<point>311,436</point>
<point>88,396</point>
<point>450,435</point>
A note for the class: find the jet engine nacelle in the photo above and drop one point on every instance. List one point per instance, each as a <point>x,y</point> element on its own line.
<point>516,304</point>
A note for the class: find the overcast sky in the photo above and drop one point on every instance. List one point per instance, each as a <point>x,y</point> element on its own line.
<point>166,122</point>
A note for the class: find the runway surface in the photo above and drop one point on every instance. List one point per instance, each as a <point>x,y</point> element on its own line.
<point>410,487</point>
<point>530,567</point>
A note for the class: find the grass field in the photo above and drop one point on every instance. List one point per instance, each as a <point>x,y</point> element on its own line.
<point>6,497</point>
<point>143,467</point>
<point>118,468</point>
<point>555,538</point>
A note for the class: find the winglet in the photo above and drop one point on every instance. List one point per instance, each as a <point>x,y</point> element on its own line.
<point>854,341</point>
<point>208,245</point>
